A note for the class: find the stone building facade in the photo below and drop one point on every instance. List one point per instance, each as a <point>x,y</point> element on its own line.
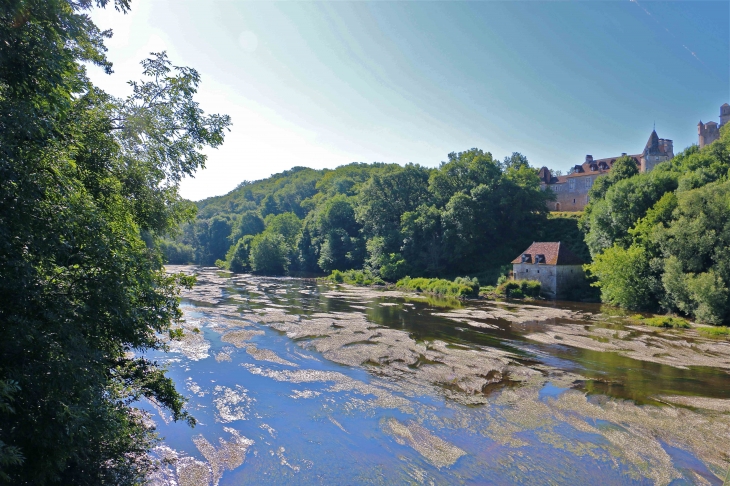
<point>710,131</point>
<point>552,264</point>
<point>571,191</point>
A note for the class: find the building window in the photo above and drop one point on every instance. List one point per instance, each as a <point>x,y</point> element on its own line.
<point>571,183</point>
<point>573,201</point>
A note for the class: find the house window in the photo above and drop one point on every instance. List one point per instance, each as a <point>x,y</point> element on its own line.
<point>571,183</point>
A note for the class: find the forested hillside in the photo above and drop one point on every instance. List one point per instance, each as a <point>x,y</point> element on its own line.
<point>470,216</point>
<point>660,241</point>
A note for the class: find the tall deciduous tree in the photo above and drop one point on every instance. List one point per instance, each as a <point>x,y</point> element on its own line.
<point>87,181</point>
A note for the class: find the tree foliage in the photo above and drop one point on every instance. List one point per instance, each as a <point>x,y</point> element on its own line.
<point>660,239</point>
<point>470,216</point>
<point>88,183</point>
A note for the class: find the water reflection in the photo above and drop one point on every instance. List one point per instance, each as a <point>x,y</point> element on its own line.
<point>275,405</point>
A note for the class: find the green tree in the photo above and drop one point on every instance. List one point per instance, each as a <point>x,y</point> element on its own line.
<point>386,197</point>
<point>462,173</point>
<point>288,225</point>
<point>515,161</point>
<point>269,254</point>
<point>624,168</point>
<point>609,219</point>
<point>669,232</point>
<point>238,256</point>
<point>423,236</point>
<point>83,177</point>
<point>250,223</point>
<point>622,275</point>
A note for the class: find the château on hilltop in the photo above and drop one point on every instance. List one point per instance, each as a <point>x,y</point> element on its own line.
<point>571,190</point>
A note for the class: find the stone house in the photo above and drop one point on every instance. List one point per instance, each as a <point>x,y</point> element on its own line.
<point>552,264</point>
<point>571,191</point>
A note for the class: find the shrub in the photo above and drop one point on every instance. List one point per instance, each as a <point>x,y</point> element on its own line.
<point>355,277</point>
<point>176,334</point>
<point>517,289</point>
<point>663,321</point>
<point>715,331</point>
<point>337,276</point>
<point>530,288</point>
<point>469,282</point>
<point>459,288</point>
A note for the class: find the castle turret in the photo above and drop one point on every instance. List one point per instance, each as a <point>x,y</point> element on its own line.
<point>724,114</point>
<point>710,131</point>
<point>656,150</point>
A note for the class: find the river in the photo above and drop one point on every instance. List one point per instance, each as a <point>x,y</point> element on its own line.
<point>302,382</point>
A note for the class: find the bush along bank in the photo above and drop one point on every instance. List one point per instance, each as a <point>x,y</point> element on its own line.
<point>669,322</point>
<point>518,289</point>
<point>355,277</point>
<point>461,287</point>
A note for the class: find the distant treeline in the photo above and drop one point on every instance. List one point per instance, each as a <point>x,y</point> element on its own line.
<point>661,240</point>
<point>470,216</point>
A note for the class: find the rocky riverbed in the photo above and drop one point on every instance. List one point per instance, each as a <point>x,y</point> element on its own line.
<point>299,381</point>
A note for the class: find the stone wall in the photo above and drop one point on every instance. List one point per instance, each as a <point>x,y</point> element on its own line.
<point>556,280</point>
<point>545,274</point>
<point>571,195</point>
<point>567,278</point>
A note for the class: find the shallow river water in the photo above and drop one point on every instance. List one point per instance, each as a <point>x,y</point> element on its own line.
<point>299,382</point>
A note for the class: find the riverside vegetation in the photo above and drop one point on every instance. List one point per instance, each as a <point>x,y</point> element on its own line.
<point>656,241</point>
<point>88,182</point>
<point>90,210</point>
<point>470,216</point>
<point>660,240</point>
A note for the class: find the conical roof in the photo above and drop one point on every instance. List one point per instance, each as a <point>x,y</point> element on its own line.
<point>652,145</point>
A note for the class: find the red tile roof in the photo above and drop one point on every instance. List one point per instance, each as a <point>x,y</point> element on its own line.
<point>555,254</point>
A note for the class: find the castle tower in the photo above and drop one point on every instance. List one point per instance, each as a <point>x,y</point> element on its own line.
<point>657,150</point>
<point>710,131</point>
<point>724,114</point>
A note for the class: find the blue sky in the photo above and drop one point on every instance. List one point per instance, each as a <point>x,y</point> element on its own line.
<point>321,84</point>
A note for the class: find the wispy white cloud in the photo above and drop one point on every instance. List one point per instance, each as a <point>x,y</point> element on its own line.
<point>692,53</point>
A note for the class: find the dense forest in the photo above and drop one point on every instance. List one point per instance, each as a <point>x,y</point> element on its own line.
<point>656,241</point>
<point>87,183</point>
<point>660,240</point>
<point>470,216</point>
